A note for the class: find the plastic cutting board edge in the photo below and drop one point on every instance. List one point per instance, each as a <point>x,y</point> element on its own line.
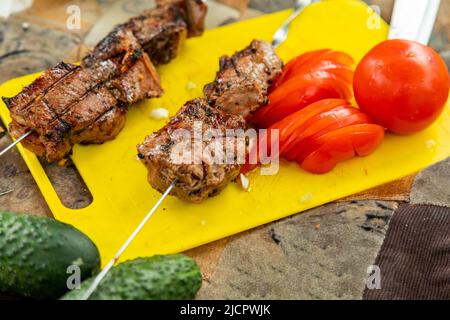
<point>117,180</point>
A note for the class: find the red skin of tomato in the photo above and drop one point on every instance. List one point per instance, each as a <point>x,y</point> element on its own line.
<point>343,144</point>
<point>295,95</point>
<point>343,118</point>
<point>402,85</point>
<point>312,61</point>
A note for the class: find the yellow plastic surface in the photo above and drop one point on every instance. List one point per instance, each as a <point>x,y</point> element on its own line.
<point>117,180</point>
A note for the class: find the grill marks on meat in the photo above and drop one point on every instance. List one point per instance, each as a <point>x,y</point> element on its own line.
<point>242,82</point>
<point>105,128</point>
<point>139,82</point>
<point>240,87</point>
<point>159,31</point>
<point>56,136</point>
<point>64,109</point>
<point>38,87</point>
<point>204,177</point>
<point>71,104</point>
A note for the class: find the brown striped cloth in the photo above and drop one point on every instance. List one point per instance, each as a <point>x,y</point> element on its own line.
<point>414,260</point>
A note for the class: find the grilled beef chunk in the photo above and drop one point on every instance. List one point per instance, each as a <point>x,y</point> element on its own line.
<point>159,31</point>
<point>79,99</point>
<point>105,128</point>
<point>176,152</point>
<point>47,80</point>
<point>139,82</point>
<point>242,82</point>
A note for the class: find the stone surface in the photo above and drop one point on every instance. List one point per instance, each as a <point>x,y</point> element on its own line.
<point>271,5</point>
<point>117,12</point>
<point>432,185</point>
<point>54,15</point>
<point>18,190</point>
<point>207,256</point>
<point>21,54</point>
<point>397,190</point>
<point>240,5</point>
<point>320,254</point>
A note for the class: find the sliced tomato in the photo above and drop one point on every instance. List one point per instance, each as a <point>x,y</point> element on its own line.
<point>343,144</point>
<point>308,106</point>
<point>312,61</point>
<point>340,80</point>
<point>295,64</point>
<point>299,119</point>
<point>292,123</point>
<point>332,120</point>
<point>253,157</point>
<point>320,161</point>
<point>295,96</point>
<point>314,142</point>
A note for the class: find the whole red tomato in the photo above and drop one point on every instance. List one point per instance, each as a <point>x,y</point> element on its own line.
<point>402,85</point>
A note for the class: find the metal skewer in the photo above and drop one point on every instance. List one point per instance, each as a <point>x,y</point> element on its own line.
<point>282,32</point>
<point>111,263</point>
<point>15,142</point>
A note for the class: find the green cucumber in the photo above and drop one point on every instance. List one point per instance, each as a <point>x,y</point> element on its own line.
<point>168,277</point>
<point>36,252</point>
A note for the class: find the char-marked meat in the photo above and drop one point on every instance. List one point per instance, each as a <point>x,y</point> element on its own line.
<point>242,82</point>
<point>59,108</point>
<point>176,152</point>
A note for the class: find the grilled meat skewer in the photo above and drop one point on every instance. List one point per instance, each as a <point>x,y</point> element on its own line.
<point>71,104</point>
<point>60,110</point>
<point>240,87</point>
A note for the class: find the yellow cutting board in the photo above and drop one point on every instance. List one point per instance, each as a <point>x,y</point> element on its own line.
<point>117,180</point>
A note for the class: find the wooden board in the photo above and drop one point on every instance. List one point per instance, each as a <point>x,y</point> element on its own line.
<point>117,181</point>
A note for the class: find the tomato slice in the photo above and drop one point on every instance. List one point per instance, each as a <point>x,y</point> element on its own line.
<point>341,77</point>
<point>296,122</point>
<point>253,158</point>
<point>300,119</point>
<point>343,144</point>
<point>313,61</point>
<point>320,161</point>
<point>294,96</point>
<point>332,120</point>
<point>295,63</point>
<point>297,119</point>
